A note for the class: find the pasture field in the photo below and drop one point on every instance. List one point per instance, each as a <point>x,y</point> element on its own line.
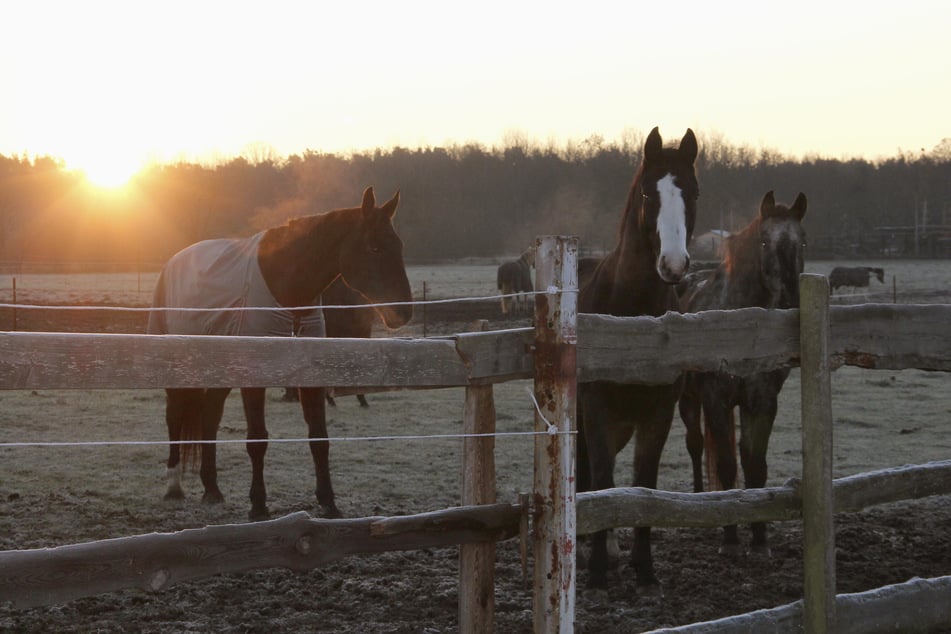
<point>60,495</point>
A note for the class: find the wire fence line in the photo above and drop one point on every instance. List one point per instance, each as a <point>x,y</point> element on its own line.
<point>551,428</point>
<point>424,302</point>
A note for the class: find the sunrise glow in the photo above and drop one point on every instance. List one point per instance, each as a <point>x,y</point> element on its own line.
<point>168,81</point>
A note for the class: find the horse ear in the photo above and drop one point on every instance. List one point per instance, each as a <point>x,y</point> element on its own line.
<point>390,206</point>
<point>369,200</point>
<point>799,207</point>
<point>688,147</point>
<point>769,203</point>
<point>653,147</point>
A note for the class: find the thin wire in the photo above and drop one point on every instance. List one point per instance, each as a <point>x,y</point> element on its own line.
<point>283,308</point>
<point>140,443</point>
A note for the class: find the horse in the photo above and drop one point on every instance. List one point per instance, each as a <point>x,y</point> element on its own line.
<point>637,278</point>
<point>283,268</point>
<point>513,277</point>
<point>854,276</point>
<point>761,267</point>
<point>356,322</point>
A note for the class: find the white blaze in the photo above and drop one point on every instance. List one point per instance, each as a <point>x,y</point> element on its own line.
<point>672,229</point>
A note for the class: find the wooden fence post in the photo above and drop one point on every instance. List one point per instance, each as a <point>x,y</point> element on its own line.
<point>477,561</point>
<point>818,528</point>
<point>553,500</point>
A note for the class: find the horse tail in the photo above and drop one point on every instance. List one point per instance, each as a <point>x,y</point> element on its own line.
<point>507,289</point>
<point>710,451</point>
<point>191,432</point>
<point>158,322</point>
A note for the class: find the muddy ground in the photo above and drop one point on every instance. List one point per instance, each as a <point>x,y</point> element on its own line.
<point>52,496</point>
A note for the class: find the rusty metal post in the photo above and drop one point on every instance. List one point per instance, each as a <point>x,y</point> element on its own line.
<point>556,313</point>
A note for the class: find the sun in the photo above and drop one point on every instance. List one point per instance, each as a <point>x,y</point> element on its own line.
<point>108,172</point>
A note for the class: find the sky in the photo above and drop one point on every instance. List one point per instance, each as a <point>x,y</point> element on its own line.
<point>111,86</point>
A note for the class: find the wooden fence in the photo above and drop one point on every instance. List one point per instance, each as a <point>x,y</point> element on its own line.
<point>564,348</point>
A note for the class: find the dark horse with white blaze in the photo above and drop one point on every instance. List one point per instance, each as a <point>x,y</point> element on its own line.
<point>281,268</point>
<point>760,268</point>
<point>637,278</point>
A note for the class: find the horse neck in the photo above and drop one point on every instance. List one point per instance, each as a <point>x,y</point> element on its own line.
<point>743,266</point>
<point>301,259</point>
<point>634,287</point>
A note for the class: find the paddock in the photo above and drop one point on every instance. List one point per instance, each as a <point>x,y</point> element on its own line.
<point>94,366</point>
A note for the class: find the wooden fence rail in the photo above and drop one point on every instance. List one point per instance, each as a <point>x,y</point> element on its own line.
<point>748,340</point>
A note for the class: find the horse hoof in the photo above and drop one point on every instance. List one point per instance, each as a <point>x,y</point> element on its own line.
<point>259,515</point>
<point>652,589</point>
<point>597,580</point>
<point>330,512</point>
<point>174,495</point>
<point>761,550</point>
<point>212,497</point>
<point>731,550</point>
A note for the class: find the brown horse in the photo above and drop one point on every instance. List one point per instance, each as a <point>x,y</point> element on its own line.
<point>281,268</point>
<point>761,267</point>
<point>637,278</point>
<point>356,322</point>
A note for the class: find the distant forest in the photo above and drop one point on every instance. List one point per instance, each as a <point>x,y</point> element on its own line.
<point>465,201</point>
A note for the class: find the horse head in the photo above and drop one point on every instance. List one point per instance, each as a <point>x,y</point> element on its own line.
<point>782,245</point>
<point>669,191</point>
<point>371,261</point>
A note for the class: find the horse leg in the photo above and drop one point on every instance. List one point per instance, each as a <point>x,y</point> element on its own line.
<point>363,400</point>
<point>690,413</point>
<point>756,425</point>
<point>329,395</point>
<point>212,407</point>
<point>506,301</point>
<point>718,412</point>
<point>253,400</point>
<point>315,413</point>
<point>604,435</point>
<point>649,440</point>
<point>180,405</point>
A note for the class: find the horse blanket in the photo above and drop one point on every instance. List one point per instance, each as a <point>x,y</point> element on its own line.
<point>224,274</point>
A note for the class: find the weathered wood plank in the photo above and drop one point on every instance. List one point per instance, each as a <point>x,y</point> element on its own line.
<point>498,355</point>
<point>818,530</point>
<point>636,506</point>
<point>477,561</point>
<point>891,336</point>
<point>93,361</point>
<point>918,605</point>
<point>156,561</point>
<point>655,350</point>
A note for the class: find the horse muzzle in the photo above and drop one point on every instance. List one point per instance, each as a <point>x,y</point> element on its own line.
<point>672,269</point>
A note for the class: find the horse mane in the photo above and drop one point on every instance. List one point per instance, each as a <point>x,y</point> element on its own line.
<point>631,205</point>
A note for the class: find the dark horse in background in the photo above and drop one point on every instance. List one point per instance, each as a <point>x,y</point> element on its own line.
<point>281,268</point>
<point>761,267</point>
<point>515,277</point>
<point>854,277</point>
<point>353,323</point>
<point>637,278</point>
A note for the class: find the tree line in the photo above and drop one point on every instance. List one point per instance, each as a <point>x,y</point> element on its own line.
<point>467,201</point>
